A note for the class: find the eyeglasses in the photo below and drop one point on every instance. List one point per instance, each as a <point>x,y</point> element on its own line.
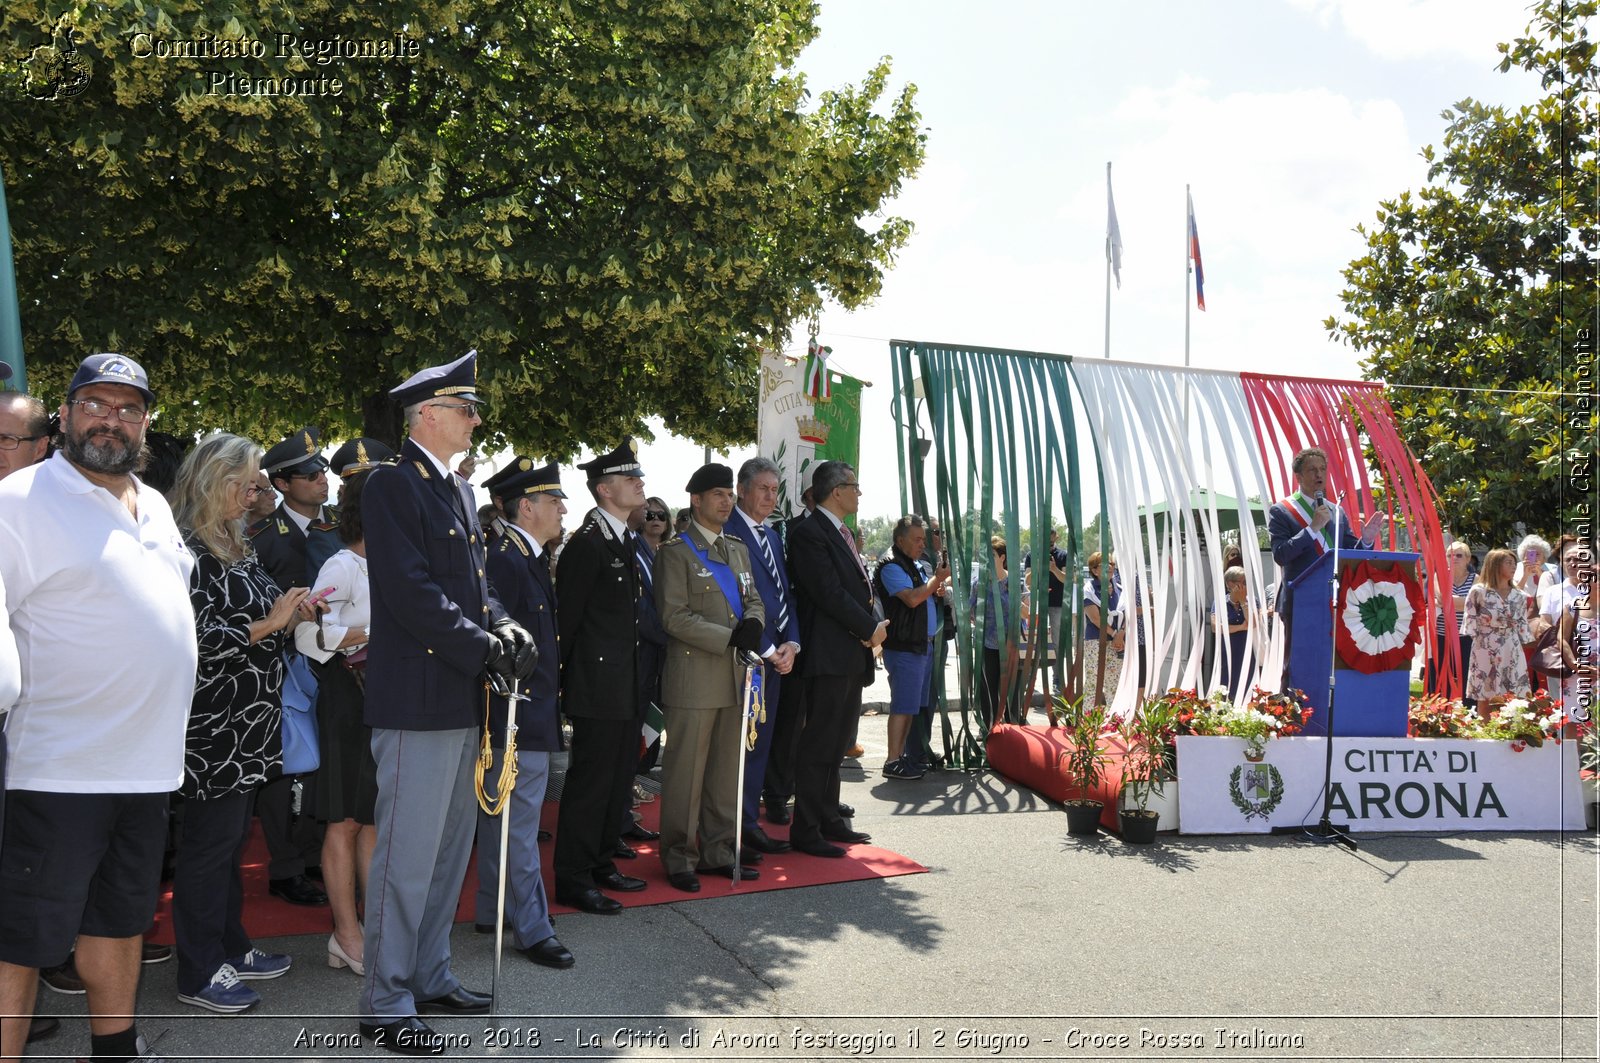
<point>252,491</point>
<point>469,409</point>
<point>655,514</point>
<point>95,408</point>
<point>12,442</point>
<point>851,483</point>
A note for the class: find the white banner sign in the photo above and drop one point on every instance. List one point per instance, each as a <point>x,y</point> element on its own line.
<point>1379,784</point>
<point>787,430</point>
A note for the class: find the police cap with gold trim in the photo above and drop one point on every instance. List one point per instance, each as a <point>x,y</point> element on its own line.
<point>521,477</point>
<point>458,380</point>
<point>359,455</point>
<point>298,455</point>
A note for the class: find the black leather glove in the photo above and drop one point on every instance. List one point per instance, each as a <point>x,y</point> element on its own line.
<point>501,660</point>
<point>518,645</point>
<point>747,635</point>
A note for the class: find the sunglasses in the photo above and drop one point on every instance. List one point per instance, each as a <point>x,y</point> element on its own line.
<point>655,514</point>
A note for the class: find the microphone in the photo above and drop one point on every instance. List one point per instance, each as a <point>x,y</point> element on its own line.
<point>1322,500</point>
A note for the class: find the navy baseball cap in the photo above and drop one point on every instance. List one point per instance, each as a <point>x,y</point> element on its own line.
<point>111,369</point>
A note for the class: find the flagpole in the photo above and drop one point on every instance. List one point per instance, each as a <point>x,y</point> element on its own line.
<point>1108,263</point>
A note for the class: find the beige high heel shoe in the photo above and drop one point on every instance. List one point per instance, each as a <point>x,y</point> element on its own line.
<point>338,958</point>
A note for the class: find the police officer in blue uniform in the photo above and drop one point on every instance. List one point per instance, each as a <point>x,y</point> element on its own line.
<point>436,628</point>
<point>597,583</point>
<point>296,469</point>
<point>530,501</point>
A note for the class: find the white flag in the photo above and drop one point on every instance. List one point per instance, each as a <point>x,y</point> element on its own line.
<point>1113,233</point>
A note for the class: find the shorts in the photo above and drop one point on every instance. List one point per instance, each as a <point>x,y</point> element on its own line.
<point>75,864</point>
<point>910,679</point>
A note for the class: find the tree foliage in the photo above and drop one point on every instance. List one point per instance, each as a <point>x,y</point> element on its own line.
<point>1474,291</point>
<point>617,203</point>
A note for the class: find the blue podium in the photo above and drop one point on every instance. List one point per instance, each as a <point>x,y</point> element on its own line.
<point>1367,705</point>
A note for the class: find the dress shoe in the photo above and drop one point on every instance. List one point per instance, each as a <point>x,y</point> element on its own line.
<point>298,890</point>
<point>749,857</point>
<point>338,957</point>
<point>846,835</point>
<point>591,900</point>
<point>818,848</point>
<point>637,833</point>
<point>685,881</point>
<point>726,871</point>
<point>855,752</point>
<point>846,811</point>
<point>758,839</point>
<point>624,851</point>
<point>550,953</point>
<point>778,813</point>
<point>43,1027</point>
<point>615,880</point>
<point>149,953</point>
<point>409,1036</point>
<point>314,873</point>
<point>459,1001</point>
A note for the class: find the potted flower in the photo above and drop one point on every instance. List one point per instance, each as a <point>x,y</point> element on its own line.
<point>1084,761</point>
<point>1148,765</point>
<point>1589,763</point>
<point>1525,721</point>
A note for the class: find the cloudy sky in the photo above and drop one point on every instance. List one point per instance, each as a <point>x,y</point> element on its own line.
<point>1290,120</point>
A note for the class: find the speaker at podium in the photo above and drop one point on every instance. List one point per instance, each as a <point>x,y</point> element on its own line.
<point>1382,613</point>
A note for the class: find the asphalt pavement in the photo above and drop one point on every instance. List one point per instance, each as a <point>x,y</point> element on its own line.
<point>1019,943</point>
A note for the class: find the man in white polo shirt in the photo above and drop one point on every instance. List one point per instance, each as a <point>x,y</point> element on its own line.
<point>94,569</point>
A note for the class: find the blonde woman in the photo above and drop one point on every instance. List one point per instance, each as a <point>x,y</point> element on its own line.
<point>1497,619</point>
<point>1459,554</point>
<point>233,743</point>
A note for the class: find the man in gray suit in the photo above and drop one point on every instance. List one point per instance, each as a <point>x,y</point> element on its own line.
<point>711,610</point>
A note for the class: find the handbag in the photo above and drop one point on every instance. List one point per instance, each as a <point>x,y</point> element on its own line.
<point>302,751</point>
<point>1546,657</point>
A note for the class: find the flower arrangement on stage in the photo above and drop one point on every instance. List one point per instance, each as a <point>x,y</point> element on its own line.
<point>1266,715</point>
<point>1520,721</point>
<point>1526,721</point>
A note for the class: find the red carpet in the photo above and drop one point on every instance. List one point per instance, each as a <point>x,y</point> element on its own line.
<point>266,916</point>
<point>1032,756</point>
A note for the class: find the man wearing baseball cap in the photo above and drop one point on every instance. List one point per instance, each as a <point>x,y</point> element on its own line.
<point>94,565</point>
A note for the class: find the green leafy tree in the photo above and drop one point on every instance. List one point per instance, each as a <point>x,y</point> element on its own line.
<point>616,203</point>
<point>1475,290</point>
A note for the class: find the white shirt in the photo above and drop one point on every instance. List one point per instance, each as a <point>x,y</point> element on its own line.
<point>1554,599</point>
<point>105,634</point>
<point>349,606</point>
<point>10,665</point>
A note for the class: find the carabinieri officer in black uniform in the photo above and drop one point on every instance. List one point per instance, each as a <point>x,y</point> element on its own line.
<point>598,583</point>
<point>530,501</point>
<point>435,628</point>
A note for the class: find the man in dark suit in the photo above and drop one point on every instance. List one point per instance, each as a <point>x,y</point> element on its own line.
<point>531,504</point>
<point>435,629</point>
<point>839,628</point>
<point>1299,525</point>
<point>296,469</point>
<point>780,640</point>
<point>778,786</point>
<point>597,584</point>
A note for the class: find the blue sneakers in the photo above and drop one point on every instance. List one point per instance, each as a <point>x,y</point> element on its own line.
<point>224,993</point>
<point>256,964</point>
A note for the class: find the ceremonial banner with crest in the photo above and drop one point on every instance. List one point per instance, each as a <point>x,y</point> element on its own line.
<point>797,432</point>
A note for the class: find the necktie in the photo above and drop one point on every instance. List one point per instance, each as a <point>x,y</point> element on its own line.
<point>850,543</point>
<point>762,532</point>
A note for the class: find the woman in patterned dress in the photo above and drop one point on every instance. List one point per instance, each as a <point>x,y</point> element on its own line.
<point>233,743</point>
<point>1497,619</point>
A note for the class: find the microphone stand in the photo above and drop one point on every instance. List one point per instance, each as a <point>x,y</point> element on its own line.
<point>1326,830</point>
